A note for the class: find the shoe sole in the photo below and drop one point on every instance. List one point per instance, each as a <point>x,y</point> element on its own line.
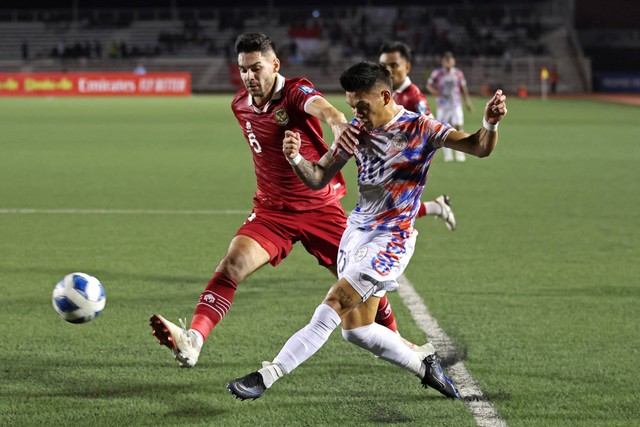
<point>161,332</point>
<point>238,396</point>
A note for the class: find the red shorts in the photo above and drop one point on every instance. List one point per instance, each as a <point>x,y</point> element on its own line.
<point>319,231</point>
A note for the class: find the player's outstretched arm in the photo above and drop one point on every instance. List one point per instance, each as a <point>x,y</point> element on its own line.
<point>315,175</point>
<point>323,110</point>
<point>483,142</point>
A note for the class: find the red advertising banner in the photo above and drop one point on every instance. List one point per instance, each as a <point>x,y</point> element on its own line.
<point>95,84</point>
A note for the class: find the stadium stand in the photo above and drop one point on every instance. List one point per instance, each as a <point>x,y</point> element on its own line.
<point>504,44</point>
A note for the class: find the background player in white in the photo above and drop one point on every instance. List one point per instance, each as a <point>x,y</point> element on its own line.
<point>393,156</point>
<point>448,85</point>
<point>396,56</point>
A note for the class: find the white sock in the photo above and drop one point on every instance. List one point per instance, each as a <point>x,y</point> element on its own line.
<point>199,337</point>
<point>433,208</point>
<point>387,345</point>
<point>304,343</point>
<point>270,372</point>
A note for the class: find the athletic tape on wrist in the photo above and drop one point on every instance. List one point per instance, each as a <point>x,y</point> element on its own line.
<point>488,126</point>
<point>297,159</point>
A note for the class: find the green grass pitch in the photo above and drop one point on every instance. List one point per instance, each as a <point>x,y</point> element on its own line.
<point>539,287</point>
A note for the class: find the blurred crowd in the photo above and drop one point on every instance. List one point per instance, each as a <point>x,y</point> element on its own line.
<point>319,35</point>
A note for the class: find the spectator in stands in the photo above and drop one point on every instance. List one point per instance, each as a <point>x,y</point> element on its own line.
<point>97,47</point>
<point>544,82</point>
<point>114,50</point>
<point>60,49</point>
<point>553,79</point>
<point>140,69</point>
<point>25,51</point>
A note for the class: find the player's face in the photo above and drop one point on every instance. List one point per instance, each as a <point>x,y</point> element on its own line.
<point>258,73</point>
<point>369,107</point>
<point>397,66</point>
<point>448,63</point>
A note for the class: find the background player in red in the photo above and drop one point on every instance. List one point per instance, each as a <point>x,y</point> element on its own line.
<point>396,56</point>
<point>285,209</point>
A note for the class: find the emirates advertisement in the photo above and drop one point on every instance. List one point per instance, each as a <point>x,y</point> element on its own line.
<point>95,84</point>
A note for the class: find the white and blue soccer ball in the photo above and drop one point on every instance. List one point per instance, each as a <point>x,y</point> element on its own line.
<point>79,298</point>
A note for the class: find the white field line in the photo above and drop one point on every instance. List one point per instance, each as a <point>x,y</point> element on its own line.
<point>26,211</point>
<point>481,408</point>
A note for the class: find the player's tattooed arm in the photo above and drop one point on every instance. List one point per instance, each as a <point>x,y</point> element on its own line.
<point>315,175</point>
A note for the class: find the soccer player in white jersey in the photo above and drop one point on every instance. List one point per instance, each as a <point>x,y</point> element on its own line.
<point>448,85</point>
<point>393,154</point>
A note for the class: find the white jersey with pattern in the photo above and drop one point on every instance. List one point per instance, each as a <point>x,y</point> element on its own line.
<point>393,162</point>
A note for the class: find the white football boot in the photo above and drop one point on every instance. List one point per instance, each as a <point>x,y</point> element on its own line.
<point>447,213</point>
<point>183,343</point>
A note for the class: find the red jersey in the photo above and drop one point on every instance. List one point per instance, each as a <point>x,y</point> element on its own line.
<point>411,97</point>
<point>263,128</point>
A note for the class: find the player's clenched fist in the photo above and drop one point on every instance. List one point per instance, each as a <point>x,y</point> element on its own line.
<point>291,144</point>
<point>496,108</point>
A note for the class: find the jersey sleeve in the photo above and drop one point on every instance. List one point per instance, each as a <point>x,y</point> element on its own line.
<point>302,93</point>
<point>339,151</point>
<point>434,132</point>
<point>432,78</point>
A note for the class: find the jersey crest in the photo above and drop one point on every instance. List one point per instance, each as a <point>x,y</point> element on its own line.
<point>399,141</point>
<point>281,116</point>
<point>360,253</point>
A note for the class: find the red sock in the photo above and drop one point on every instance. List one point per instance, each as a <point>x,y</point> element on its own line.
<point>214,303</point>
<point>385,316</point>
<point>421,212</point>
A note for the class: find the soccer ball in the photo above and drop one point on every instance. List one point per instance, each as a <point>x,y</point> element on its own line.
<point>79,298</point>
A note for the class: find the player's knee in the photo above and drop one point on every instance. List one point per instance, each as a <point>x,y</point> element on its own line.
<point>235,265</point>
<point>360,336</point>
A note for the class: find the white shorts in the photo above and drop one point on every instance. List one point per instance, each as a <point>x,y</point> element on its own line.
<point>372,260</point>
<point>451,115</point>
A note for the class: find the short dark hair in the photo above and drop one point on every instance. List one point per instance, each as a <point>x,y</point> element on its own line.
<point>363,76</point>
<point>401,48</point>
<point>254,42</point>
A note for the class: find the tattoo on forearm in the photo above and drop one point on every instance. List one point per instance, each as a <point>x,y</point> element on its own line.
<point>314,175</point>
<point>308,173</point>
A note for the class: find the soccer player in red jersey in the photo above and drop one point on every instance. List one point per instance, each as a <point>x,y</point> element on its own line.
<point>285,209</point>
<point>396,56</point>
